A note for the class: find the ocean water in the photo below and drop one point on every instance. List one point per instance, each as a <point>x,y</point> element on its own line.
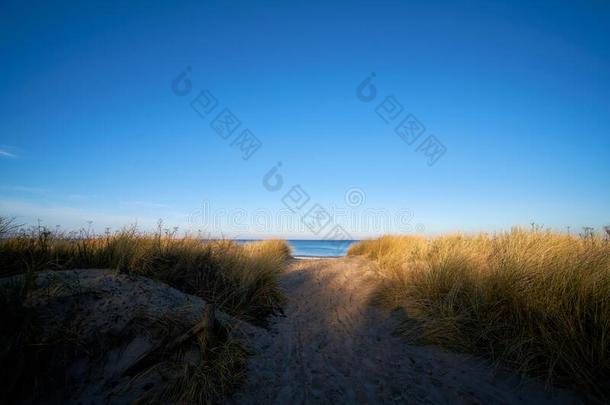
<point>326,248</point>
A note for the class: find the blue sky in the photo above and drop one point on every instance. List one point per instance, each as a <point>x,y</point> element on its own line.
<point>518,94</point>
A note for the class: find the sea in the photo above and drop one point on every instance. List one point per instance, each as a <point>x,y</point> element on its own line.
<point>323,248</point>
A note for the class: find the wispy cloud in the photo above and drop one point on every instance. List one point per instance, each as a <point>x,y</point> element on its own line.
<point>25,189</point>
<point>72,217</point>
<point>77,197</point>
<point>143,204</point>
<point>6,154</point>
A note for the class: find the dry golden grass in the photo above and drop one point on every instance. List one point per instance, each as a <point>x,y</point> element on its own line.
<point>240,279</point>
<point>538,301</point>
<point>219,370</point>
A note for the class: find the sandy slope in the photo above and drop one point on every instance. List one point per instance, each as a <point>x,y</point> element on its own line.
<point>118,316</point>
<point>333,347</point>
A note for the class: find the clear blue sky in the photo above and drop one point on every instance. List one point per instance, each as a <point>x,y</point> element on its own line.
<point>517,92</point>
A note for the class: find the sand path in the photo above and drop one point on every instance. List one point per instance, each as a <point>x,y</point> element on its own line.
<point>334,347</point>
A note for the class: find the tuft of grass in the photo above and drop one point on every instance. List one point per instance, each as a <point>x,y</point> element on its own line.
<point>219,367</point>
<point>538,301</point>
<point>209,381</point>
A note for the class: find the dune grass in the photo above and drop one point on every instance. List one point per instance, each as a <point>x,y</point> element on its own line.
<point>240,279</point>
<point>219,369</point>
<point>537,301</point>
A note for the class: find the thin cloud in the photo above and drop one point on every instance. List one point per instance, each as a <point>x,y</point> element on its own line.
<point>25,189</point>
<point>7,154</point>
<point>72,217</point>
<point>144,204</point>
<point>77,197</point>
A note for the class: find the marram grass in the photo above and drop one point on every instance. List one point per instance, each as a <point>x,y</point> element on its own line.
<point>538,301</point>
<point>240,279</point>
